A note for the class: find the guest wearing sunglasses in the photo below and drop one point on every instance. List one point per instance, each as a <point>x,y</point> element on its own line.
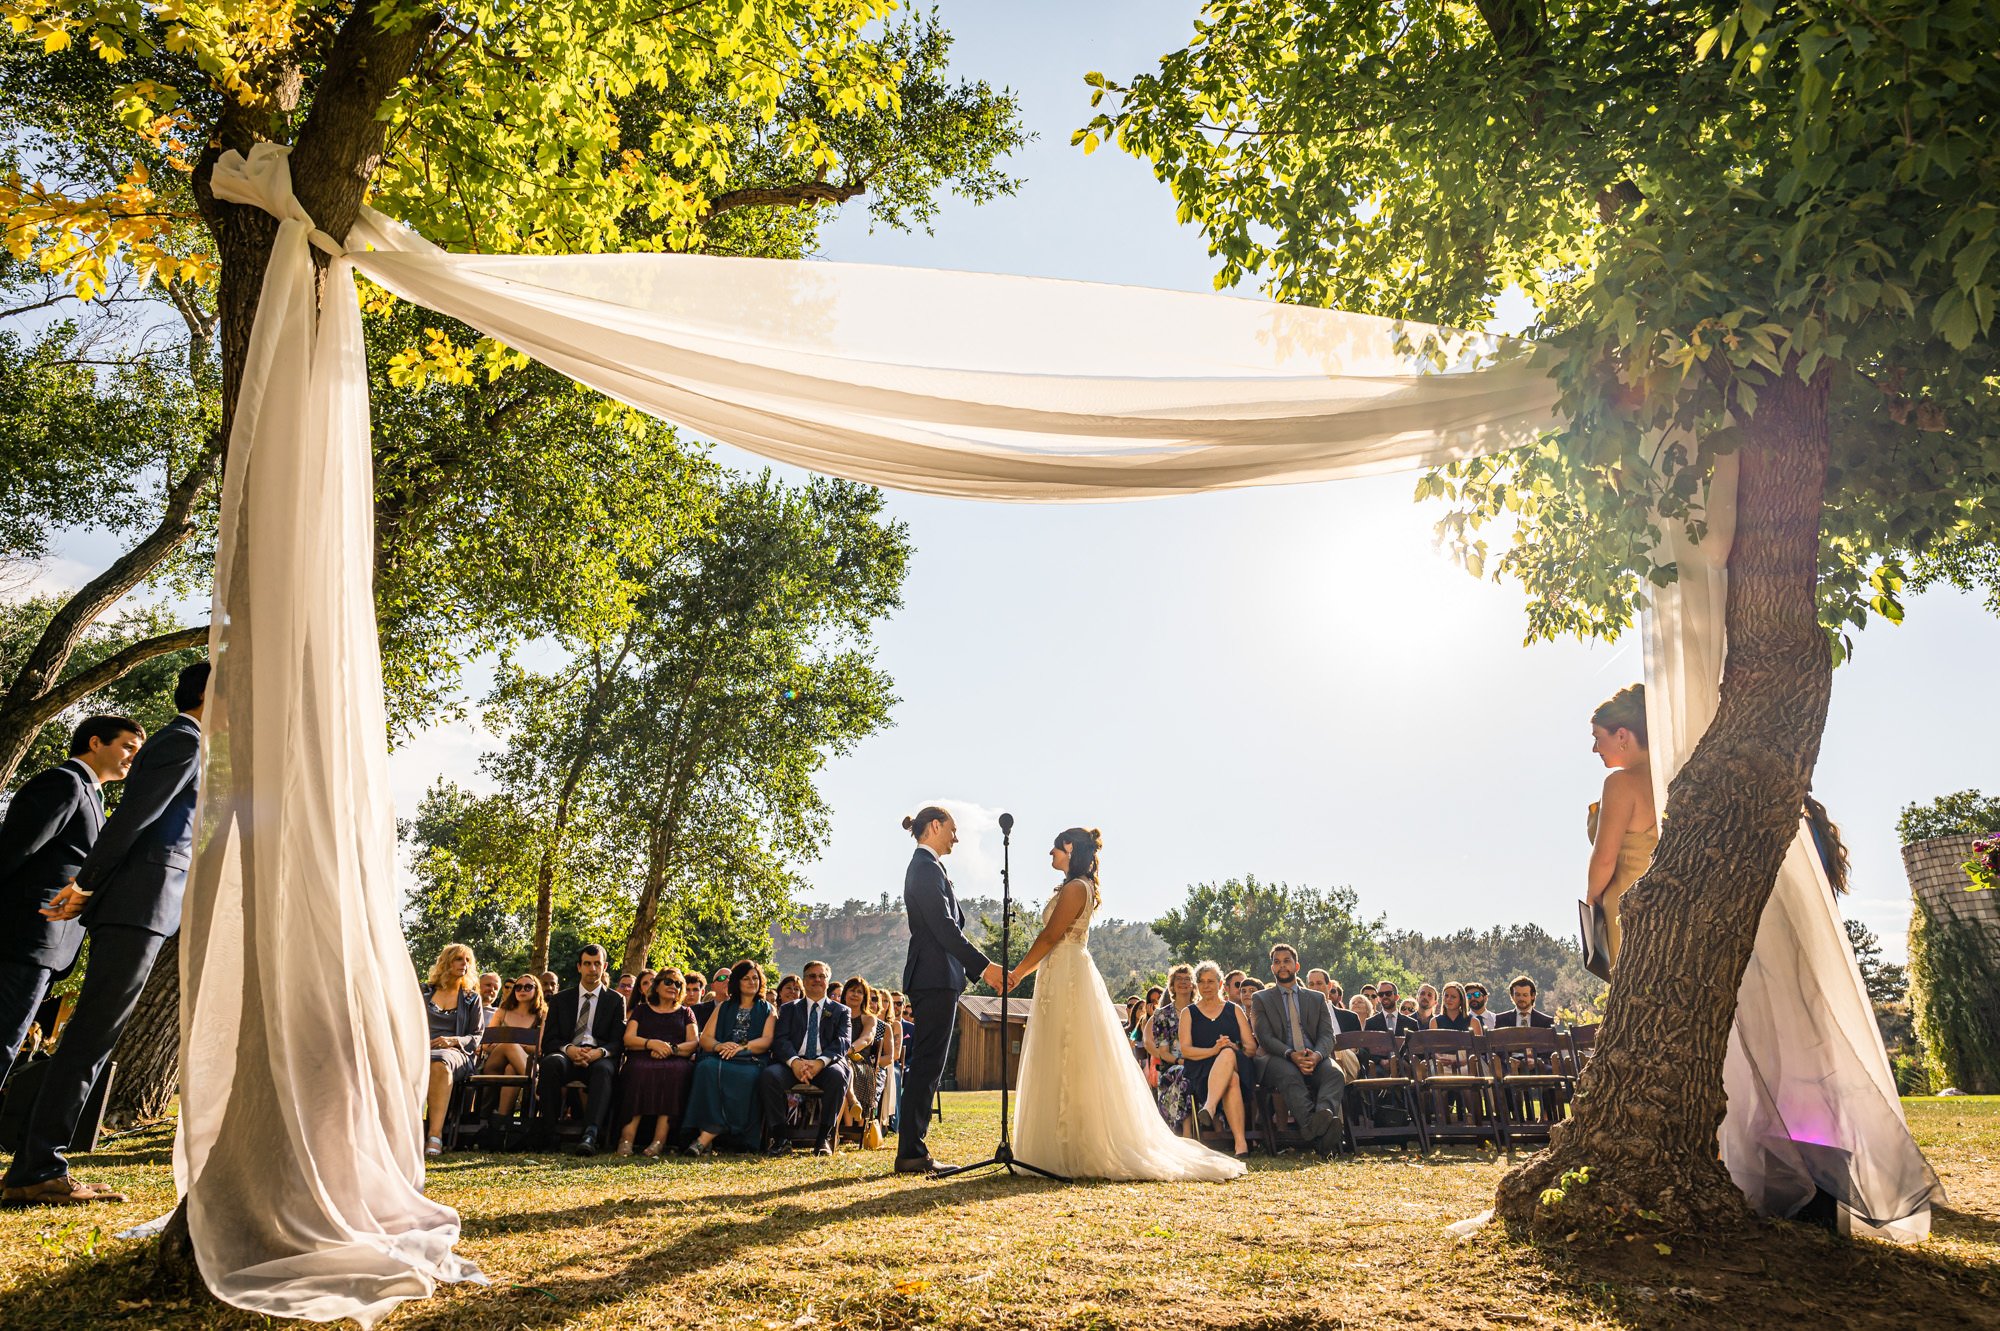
<point>660,1042</point>
<point>525,1009</point>
<point>1475,1003</point>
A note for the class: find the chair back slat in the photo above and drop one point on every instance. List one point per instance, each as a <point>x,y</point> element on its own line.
<point>1533,1051</point>
<point>496,1034</point>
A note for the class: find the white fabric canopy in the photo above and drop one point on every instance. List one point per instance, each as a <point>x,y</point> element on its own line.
<point>298,1144</point>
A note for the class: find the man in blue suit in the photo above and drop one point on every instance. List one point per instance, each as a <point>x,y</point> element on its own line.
<point>940,958</point>
<point>49,829</point>
<point>128,893</point>
<point>809,1047</point>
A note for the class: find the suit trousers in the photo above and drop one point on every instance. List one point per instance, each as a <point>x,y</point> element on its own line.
<point>775,1083</point>
<point>935,1010</point>
<point>1305,1095</point>
<point>121,958</point>
<point>598,1081</point>
<point>23,986</point>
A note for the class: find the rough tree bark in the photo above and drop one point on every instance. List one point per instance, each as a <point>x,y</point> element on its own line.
<point>1651,1101</point>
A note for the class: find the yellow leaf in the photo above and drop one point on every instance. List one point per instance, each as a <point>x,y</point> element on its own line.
<point>912,1286</point>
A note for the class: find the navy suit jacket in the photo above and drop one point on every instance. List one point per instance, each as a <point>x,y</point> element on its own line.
<point>1404,1024</point>
<point>50,827</point>
<point>1511,1018</point>
<point>836,1031</point>
<point>607,1023</point>
<point>1346,1020</point>
<point>941,956</point>
<point>137,871</point>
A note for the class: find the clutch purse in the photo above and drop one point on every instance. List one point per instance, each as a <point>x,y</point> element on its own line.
<point>1596,939</point>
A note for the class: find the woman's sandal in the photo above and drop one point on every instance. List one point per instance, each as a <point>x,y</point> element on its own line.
<point>433,1147</point>
<point>653,1151</point>
<point>624,1148</point>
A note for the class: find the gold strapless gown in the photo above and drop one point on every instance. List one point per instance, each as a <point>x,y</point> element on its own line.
<point>1635,853</point>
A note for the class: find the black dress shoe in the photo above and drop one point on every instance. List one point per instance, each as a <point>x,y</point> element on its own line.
<point>779,1147</point>
<point>917,1164</point>
<point>695,1150</point>
<point>822,1148</point>
<point>1319,1124</point>
<point>588,1146</point>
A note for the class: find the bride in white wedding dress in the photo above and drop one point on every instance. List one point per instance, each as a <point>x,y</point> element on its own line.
<point>1084,1108</point>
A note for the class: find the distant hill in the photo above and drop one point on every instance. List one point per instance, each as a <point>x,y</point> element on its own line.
<point>870,939</point>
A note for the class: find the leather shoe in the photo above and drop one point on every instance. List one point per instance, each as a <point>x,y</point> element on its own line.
<point>588,1146</point>
<point>779,1147</point>
<point>917,1164</point>
<point>1319,1124</point>
<point>822,1148</point>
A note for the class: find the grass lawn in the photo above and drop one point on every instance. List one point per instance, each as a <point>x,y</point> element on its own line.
<point>804,1242</point>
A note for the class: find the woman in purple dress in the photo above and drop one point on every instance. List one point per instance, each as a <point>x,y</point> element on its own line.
<point>660,1040</point>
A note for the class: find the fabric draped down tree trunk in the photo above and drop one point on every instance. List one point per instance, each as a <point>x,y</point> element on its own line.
<point>298,1150</point>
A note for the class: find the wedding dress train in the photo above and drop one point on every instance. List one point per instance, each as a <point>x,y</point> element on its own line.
<point>1084,1109</point>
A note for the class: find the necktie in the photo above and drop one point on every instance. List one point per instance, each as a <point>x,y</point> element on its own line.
<point>812,1030</point>
<point>1292,1007</point>
<point>583,1014</point>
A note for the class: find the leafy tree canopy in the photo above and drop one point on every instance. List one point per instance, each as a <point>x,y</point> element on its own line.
<point>1236,922</point>
<point>1962,813</point>
<point>1698,197</point>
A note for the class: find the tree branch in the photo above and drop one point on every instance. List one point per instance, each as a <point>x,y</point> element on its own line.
<point>803,194</point>
<point>44,665</point>
<point>56,299</point>
<point>116,666</point>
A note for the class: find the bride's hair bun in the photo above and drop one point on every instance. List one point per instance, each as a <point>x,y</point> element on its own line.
<point>1096,838</point>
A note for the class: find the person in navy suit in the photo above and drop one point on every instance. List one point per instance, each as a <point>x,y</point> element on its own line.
<point>1525,1013</point>
<point>128,894</point>
<point>48,832</point>
<point>1387,1017</point>
<point>940,958</point>
<point>813,1034</point>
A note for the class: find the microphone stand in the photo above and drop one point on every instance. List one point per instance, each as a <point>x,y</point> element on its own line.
<point>1003,1154</point>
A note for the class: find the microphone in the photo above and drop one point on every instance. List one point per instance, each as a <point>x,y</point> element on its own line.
<point>1006,823</point>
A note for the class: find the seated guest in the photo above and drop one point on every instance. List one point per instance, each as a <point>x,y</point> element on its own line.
<point>715,992</point>
<point>1232,984</point>
<point>892,1039</point>
<point>790,989</point>
<point>868,1061</point>
<point>1249,987</point>
<point>489,992</point>
<point>1362,1007</point>
<point>643,986</point>
<point>551,986</point>
<point>1525,1013</point>
<point>1427,1003</point>
<point>1345,1018</point>
<point>735,1048</point>
<point>451,1001</point>
<point>808,1048</point>
<point>627,984</point>
<point>1475,1002</point>
<point>1163,1044</point>
<point>1153,996</point>
<point>1452,1014</point>
<point>1216,1045</point>
<point>1135,1019</point>
<point>581,1041</point>
<point>1294,1028</point>
<point>660,1045</point>
<point>1388,1012</point>
<point>524,1009</point>
<point>1319,981</point>
<point>1409,1009</point>
<point>1368,992</point>
<point>905,1015</point>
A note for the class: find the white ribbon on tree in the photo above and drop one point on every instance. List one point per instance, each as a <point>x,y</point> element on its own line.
<point>298,1147</point>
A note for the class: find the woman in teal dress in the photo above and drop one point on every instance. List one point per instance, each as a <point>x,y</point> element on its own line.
<point>735,1046</point>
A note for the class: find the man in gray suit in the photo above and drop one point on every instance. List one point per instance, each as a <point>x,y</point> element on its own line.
<point>1295,1032</point>
<point>128,893</point>
<point>50,827</point>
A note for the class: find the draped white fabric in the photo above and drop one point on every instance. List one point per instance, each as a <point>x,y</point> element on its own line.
<point>1812,1099</point>
<point>298,1145</point>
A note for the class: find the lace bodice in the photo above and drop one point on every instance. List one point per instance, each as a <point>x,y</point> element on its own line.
<point>1079,929</point>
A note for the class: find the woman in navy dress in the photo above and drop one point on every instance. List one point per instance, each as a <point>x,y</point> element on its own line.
<point>1215,1044</point>
<point>735,1046</point>
<point>1452,1013</point>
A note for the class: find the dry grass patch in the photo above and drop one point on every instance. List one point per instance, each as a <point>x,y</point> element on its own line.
<point>802,1242</point>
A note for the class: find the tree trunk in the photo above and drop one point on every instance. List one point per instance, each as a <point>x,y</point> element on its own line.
<point>149,1052</point>
<point>545,869</point>
<point>1651,1101</point>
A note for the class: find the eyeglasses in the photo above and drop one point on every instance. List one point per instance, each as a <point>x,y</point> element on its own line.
<point>1475,993</point>
<point>526,988</point>
<point>668,984</point>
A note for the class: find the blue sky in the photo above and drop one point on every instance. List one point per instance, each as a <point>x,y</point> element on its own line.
<point>1287,682</point>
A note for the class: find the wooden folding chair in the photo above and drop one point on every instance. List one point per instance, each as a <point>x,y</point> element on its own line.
<point>1455,1090</point>
<point>1531,1080</point>
<point>1582,1046</point>
<point>1382,1093</point>
<point>478,1096</point>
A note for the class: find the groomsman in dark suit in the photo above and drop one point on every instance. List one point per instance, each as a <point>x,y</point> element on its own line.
<point>582,1042</point>
<point>128,893</point>
<point>48,832</point>
<point>1386,1017</point>
<point>810,1047</point>
<point>1525,1013</point>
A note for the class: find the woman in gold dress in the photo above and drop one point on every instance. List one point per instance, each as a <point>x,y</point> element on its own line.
<point>1623,827</point>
